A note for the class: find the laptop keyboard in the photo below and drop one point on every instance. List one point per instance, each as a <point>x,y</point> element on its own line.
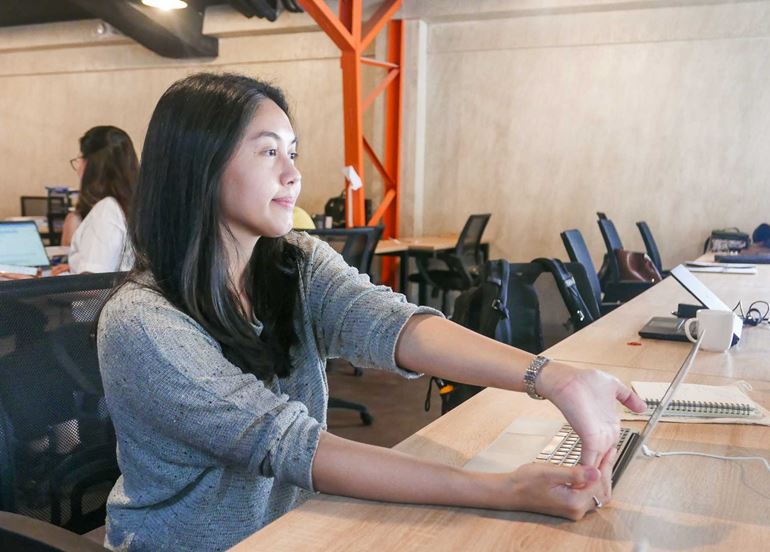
<point>565,447</point>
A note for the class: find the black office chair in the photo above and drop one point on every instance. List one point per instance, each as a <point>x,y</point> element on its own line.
<point>34,206</point>
<point>615,293</point>
<point>356,245</point>
<point>609,276</point>
<point>54,208</point>
<point>57,444</point>
<point>33,535</point>
<point>651,246</point>
<point>565,300</point>
<point>462,264</point>
<point>611,243</point>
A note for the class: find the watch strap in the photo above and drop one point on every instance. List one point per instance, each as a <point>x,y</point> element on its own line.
<point>530,376</point>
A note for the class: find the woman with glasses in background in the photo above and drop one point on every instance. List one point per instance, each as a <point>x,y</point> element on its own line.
<point>96,230</point>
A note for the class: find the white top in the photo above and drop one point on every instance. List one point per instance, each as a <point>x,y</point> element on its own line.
<point>100,244</point>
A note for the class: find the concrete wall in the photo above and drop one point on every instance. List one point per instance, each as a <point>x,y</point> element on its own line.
<point>543,112</point>
<point>58,80</point>
<point>538,111</point>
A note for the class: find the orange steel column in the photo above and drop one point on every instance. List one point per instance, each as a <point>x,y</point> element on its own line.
<point>353,36</point>
<point>393,118</point>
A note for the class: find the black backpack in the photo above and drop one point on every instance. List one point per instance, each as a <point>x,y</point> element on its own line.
<point>505,307</point>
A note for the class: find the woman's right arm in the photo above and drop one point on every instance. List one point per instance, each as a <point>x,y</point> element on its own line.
<point>71,223</point>
<point>357,470</point>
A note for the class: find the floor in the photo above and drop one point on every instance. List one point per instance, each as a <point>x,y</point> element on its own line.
<point>397,405</point>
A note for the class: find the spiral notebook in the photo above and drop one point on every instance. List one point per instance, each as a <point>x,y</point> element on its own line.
<point>727,403</point>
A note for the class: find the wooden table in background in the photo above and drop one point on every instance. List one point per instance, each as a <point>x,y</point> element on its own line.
<point>674,503</point>
<point>404,248</point>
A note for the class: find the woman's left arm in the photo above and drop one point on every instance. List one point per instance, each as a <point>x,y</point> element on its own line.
<point>587,398</point>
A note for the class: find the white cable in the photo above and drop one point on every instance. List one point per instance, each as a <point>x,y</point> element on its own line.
<point>649,452</point>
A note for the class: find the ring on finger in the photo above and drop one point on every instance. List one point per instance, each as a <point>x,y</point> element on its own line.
<point>597,502</point>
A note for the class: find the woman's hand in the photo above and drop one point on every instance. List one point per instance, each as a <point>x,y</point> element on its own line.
<point>587,398</point>
<point>353,469</point>
<point>60,269</point>
<point>558,491</point>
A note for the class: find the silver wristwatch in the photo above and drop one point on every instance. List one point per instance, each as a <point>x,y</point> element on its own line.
<point>531,375</point>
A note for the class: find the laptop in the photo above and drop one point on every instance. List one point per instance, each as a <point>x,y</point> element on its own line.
<point>755,254</point>
<point>672,328</point>
<point>21,248</point>
<point>555,442</point>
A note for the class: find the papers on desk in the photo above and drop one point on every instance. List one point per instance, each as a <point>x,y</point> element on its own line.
<point>704,266</point>
<point>712,404</point>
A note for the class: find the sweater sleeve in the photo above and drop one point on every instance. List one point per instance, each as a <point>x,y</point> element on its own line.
<point>165,377</point>
<point>353,318</point>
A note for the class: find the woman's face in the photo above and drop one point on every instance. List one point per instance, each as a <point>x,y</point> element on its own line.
<point>260,183</point>
<point>81,163</point>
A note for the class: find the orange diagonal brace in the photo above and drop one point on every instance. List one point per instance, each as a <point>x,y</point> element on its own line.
<point>330,23</point>
<point>378,20</point>
<point>382,209</point>
<point>350,15</point>
<point>378,63</point>
<point>377,164</point>
<point>392,74</point>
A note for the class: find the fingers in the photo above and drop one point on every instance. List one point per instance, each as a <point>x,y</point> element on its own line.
<point>589,457</point>
<point>629,399</point>
<point>577,477</point>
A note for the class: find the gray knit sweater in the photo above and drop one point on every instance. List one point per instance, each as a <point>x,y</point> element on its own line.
<point>210,454</point>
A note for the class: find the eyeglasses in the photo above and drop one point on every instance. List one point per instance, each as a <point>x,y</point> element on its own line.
<point>75,162</point>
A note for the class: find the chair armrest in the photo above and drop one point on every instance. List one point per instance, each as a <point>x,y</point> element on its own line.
<point>606,307</point>
<point>19,532</point>
<point>459,267</point>
<point>422,267</point>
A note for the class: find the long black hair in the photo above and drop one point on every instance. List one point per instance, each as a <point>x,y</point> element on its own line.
<point>111,168</point>
<point>176,227</point>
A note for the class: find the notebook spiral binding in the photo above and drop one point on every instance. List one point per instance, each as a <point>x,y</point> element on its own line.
<point>704,409</point>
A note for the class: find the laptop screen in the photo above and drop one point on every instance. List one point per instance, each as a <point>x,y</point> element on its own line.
<point>20,244</point>
<point>669,394</point>
<point>697,288</point>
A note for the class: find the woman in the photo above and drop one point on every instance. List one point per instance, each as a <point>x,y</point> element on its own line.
<point>96,231</point>
<point>213,354</point>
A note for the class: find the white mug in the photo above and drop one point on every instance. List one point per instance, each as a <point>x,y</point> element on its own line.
<point>717,327</point>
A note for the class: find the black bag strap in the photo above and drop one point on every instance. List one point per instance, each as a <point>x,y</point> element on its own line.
<point>580,314</point>
<point>498,273</point>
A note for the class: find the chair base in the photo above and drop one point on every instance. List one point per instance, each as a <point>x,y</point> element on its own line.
<point>363,411</point>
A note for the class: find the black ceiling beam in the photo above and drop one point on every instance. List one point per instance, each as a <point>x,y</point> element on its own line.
<point>269,9</point>
<point>261,8</point>
<point>173,34</point>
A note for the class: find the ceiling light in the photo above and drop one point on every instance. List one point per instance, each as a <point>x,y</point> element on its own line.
<point>165,4</point>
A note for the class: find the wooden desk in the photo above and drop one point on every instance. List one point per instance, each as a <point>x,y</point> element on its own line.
<point>404,248</point>
<point>613,340</point>
<point>675,503</point>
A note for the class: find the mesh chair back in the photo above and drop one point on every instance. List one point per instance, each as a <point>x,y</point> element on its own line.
<point>37,206</point>
<point>650,245</point>
<point>578,253</point>
<point>468,246</point>
<point>356,245</point>
<point>57,443</point>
